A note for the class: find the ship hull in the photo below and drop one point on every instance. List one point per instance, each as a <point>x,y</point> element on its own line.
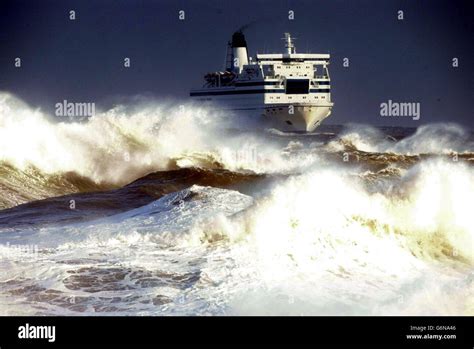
<point>298,117</point>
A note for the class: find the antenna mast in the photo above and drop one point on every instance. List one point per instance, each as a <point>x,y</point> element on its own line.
<point>290,47</point>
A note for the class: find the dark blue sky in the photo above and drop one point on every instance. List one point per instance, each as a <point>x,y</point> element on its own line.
<point>82,60</point>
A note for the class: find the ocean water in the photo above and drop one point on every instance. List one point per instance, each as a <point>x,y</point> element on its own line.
<point>149,209</point>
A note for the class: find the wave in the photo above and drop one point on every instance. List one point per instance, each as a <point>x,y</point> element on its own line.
<point>20,186</point>
<point>84,282</point>
<point>322,242</point>
<point>124,143</point>
<point>115,146</point>
<point>438,138</point>
<point>92,201</point>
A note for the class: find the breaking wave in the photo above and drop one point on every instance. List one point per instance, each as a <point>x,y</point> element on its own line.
<point>441,138</point>
<point>120,145</point>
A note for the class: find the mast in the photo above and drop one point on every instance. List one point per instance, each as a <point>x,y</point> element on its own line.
<point>229,57</point>
<point>290,47</point>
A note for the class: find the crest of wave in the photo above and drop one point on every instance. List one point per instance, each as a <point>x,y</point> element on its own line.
<point>438,138</point>
<point>125,142</point>
<point>435,139</point>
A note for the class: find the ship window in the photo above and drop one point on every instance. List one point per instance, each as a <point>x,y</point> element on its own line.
<point>268,70</point>
<point>320,70</point>
<point>297,86</point>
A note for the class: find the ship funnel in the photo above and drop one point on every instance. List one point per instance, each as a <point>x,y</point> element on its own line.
<point>239,52</point>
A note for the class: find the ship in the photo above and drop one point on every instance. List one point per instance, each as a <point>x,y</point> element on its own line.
<point>286,91</point>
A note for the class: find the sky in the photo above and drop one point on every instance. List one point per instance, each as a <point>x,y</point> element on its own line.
<point>82,60</point>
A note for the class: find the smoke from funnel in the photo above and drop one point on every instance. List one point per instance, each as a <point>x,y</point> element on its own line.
<point>248,25</point>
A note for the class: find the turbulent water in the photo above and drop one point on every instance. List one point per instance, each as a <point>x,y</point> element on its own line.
<point>158,209</point>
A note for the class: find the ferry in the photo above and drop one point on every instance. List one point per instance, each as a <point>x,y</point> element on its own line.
<point>287,91</point>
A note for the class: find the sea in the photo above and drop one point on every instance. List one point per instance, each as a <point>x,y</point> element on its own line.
<point>167,208</point>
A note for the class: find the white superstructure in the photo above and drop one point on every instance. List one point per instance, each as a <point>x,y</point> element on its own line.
<point>290,91</point>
